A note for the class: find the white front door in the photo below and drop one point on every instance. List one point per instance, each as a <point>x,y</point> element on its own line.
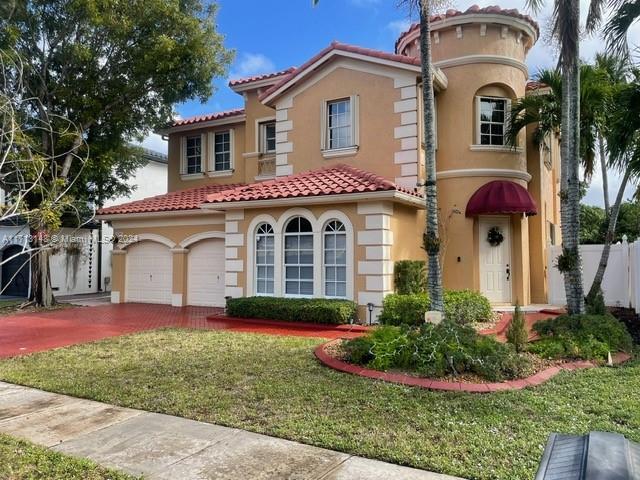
<point>149,273</point>
<point>495,259</point>
<point>205,273</point>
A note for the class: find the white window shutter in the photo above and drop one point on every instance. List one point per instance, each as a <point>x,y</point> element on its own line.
<point>203,152</point>
<point>507,119</point>
<point>183,154</point>
<point>477,116</point>
<point>324,125</point>
<point>232,163</point>
<point>211,154</point>
<point>355,119</point>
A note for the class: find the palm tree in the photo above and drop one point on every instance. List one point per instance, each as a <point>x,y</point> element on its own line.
<point>566,30</point>
<point>431,237</point>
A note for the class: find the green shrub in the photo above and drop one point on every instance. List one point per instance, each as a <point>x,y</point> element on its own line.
<point>517,334</point>
<point>436,351</point>
<point>465,307</point>
<point>588,337</point>
<point>312,310</point>
<point>461,306</point>
<point>400,309</point>
<point>595,304</point>
<point>410,277</point>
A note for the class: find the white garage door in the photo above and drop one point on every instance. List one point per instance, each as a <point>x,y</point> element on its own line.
<point>205,277</point>
<point>149,273</point>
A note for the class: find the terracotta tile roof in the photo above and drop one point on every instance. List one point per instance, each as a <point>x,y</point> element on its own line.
<point>336,180</point>
<point>475,9</point>
<point>189,199</point>
<point>208,117</point>
<point>533,85</point>
<point>242,81</point>
<point>345,48</point>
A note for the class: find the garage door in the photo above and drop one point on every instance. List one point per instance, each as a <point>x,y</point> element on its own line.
<point>149,269</point>
<point>205,273</point>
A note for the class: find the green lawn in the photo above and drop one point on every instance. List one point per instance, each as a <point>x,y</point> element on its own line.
<point>274,385</point>
<point>20,460</point>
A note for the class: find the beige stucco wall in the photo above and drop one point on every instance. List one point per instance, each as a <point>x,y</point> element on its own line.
<point>175,182</point>
<point>376,122</point>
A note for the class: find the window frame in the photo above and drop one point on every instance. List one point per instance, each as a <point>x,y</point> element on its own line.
<point>263,139</point>
<point>256,250</point>
<point>478,121</point>
<point>184,161</point>
<point>299,266</point>
<point>354,127</point>
<point>211,171</point>
<point>345,266</point>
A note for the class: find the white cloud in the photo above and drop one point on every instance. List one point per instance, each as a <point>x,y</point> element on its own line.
<point>154,142</point>
<point>398,26</point>
<point>252,64</point>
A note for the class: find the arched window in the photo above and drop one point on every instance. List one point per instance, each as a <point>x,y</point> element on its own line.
<point>335,259</point>
<point>264,259</point>
<point>298,257</point>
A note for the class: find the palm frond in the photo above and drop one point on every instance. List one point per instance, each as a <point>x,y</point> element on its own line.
<point>623,133</point>
<point>594,17</point>
<point>615,31</point>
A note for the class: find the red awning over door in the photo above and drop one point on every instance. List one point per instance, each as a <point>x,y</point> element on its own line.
<point>501,197</point>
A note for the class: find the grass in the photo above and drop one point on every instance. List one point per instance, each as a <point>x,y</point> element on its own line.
<point>20,460</point>
<point>274,385</point>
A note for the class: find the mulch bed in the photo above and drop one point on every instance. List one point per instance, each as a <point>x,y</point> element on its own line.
<point>330,354</point>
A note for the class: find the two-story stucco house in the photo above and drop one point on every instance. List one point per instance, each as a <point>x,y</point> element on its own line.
<point>311,188</point>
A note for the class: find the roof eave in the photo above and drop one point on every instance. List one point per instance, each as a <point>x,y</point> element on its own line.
<point>391,195</point>
<point>309,70</point>
<point>252,85</point>
<point>159,214</point>
<point>240,118</point>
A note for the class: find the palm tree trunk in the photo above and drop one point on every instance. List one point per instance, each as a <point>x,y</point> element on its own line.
<point>431,233</point>
<point>605,178</point>
<point>611,230</point>
<point>570,198</point>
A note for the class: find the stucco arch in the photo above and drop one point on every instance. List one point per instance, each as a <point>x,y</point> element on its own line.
<point>296,212</point>
<point>152,237</point>
<point>197,237</point>
<point>496,89</point>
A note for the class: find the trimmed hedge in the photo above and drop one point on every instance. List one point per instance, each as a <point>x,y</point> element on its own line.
<point>311,310</point>
<point>588,337</point>
<point>461,306</point>
<point>410,276</point>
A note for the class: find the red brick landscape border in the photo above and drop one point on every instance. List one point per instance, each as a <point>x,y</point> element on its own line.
<point>433,384</point>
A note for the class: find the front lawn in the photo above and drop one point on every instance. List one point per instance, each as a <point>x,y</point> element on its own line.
<point>274,385</point>
<point>22,460</point>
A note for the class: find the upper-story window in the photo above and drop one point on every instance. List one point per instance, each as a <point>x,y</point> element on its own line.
<point>492,117</point>
<point>222,151</point>
<point>268,137</point>
<point>340,125</point>
<point>193,155</point>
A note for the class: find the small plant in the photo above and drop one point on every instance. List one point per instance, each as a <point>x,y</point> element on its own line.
<point>465,307</point>
<point>517,334</point>
<point>410,277</point>
<point>407,309</point>
<point>595,304</point>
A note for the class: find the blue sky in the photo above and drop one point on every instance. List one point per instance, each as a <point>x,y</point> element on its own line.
<point>276,34</point>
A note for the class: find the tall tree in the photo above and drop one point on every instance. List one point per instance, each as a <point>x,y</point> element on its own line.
<point>431,236</point>
<point>566,30</point>
<point>114,70</point>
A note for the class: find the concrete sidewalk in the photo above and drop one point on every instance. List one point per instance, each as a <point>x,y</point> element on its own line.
<point>165,447</point>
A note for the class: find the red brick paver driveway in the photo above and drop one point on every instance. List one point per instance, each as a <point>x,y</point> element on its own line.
<point>33,332</point>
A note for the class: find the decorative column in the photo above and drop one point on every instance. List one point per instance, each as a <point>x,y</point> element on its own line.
<point>234,264</point>
<point>179,283</point>
<point>118,277</point>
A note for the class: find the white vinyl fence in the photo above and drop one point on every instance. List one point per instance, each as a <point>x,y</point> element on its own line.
<point>74,264</point>
<point>621,283</point>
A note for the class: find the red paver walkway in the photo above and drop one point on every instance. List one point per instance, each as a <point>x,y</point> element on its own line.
<point>37,331</point>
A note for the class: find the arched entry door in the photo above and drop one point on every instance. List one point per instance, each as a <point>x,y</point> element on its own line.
<point>15,272</point>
